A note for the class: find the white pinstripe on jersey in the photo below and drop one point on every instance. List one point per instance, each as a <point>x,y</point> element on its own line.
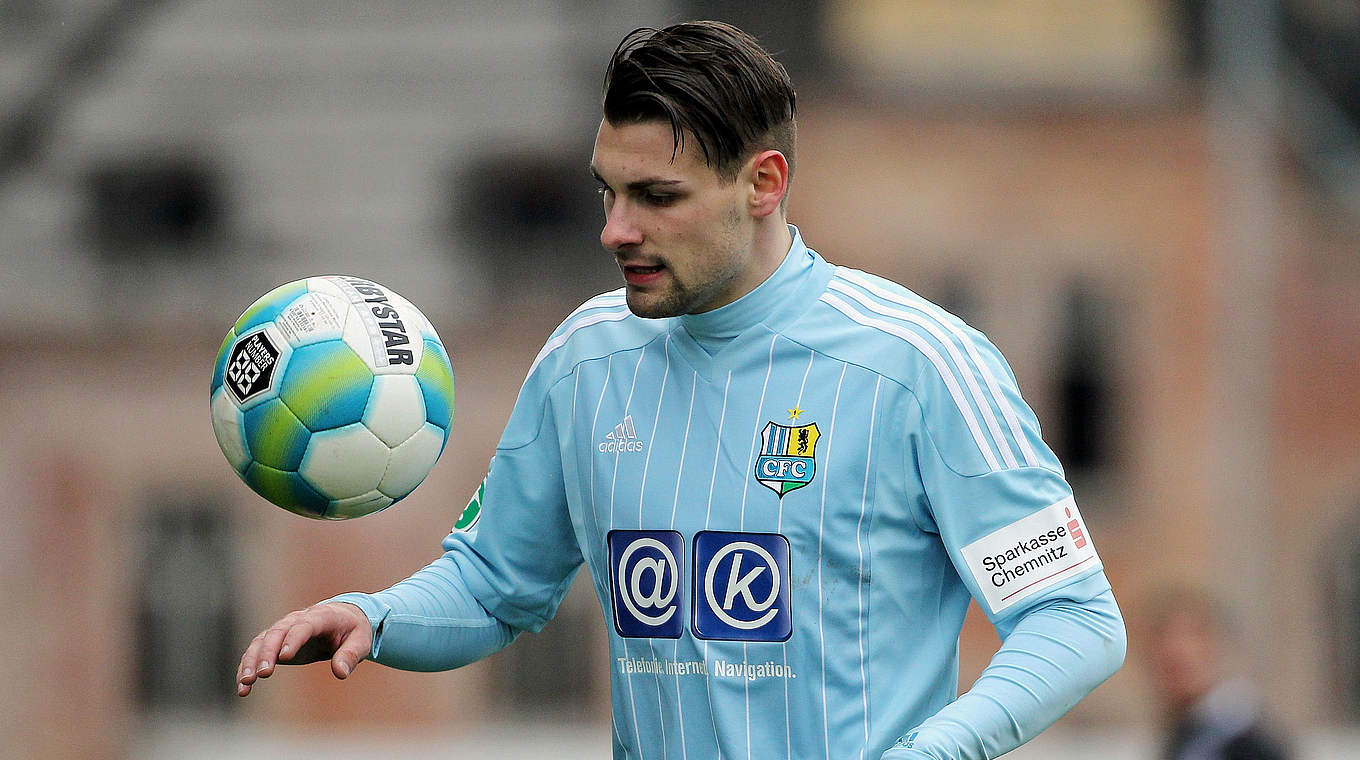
<point>594,425</point>
<point>675,503</point>
<point>788,720</point>
<point>859,546</point>
<point>708,514</point>
<point>821,532</point>
<point>750,457</point>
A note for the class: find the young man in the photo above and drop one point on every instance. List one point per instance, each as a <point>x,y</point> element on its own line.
<point>786,479</point>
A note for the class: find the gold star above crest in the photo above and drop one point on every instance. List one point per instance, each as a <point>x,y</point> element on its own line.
<point>794,412</point>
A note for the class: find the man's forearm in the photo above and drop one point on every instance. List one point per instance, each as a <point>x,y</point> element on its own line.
<point>430,621</point>
<point>1054,656</point>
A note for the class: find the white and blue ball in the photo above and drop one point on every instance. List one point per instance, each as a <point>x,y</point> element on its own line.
<point>332,397</point>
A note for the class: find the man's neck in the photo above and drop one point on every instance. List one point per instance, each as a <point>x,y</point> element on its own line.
<point>771,243</point>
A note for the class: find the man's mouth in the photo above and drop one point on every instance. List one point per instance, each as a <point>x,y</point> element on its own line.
<point>636,274</point>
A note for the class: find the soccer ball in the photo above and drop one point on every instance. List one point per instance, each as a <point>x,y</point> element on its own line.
<point>332,397</point>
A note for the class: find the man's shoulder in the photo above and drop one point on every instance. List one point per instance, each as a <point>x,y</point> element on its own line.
<point>601,326</point>
<point>883,326</point>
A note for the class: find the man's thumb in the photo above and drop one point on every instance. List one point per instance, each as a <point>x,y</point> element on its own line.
<point>344,662</point>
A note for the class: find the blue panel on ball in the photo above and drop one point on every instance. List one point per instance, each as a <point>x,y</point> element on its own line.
<point>220,366</point>
<point>327,385</point>
<point>269,306</point>
<point>436,383</point>
<point>276,437</point>
<point>286,489</point>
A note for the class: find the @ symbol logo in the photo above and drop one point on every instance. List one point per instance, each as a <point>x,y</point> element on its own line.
<point>664,572</point>
<point>740,585</point>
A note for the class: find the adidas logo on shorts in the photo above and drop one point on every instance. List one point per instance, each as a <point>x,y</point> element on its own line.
<point>622,438</point>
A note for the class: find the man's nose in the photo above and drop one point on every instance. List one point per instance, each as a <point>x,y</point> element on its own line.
<point>620,229</point>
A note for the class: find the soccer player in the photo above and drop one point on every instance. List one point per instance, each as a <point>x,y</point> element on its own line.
<point>785,478</point>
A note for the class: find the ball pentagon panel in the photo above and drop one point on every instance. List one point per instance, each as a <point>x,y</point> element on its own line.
<point>275,436</point>
<point>327,385</point>
<point>412,461</point>
<point>436,383</point>
<point>228,423</point>
<point>396,408</point>
<point>313,318</point>
<point>344,462</point>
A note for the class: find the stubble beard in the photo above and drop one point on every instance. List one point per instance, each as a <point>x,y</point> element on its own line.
<point>678,299</point>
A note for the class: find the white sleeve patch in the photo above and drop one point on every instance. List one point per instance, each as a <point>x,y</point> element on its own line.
<point>1029,555</point>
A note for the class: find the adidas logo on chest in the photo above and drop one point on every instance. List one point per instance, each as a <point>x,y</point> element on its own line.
<point>623,438</point>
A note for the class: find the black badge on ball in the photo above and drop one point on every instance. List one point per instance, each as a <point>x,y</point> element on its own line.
<point>250,369</point>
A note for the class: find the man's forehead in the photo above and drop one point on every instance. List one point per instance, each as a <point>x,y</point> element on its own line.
<point>646,147</point>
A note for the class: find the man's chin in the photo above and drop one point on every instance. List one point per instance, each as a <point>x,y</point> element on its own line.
<point>650,305</point>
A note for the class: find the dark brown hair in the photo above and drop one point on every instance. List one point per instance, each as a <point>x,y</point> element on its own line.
<point>710,81</point>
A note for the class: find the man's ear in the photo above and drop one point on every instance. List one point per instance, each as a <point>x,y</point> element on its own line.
<point>768,174</point>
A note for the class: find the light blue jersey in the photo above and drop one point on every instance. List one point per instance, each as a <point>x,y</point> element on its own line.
<point>785,506</point>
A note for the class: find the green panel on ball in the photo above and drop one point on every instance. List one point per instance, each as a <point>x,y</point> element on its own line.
<point>269,306</point>
<point>220,366</point>
<point>435,374</point>
<point>276,437</point>
<point>286,489</point>
<point>327,385</point>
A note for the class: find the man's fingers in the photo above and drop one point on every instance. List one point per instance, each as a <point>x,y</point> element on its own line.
<point>245,672</point>
<point>262,655</point>
<point>293,640</point>
<point>336,632</point>
<point>268,653</point>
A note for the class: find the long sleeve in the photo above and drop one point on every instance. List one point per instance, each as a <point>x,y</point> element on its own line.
<point>1055,655</point>
<point>430,621</point>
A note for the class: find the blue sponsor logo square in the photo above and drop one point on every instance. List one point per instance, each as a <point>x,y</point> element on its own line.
<point>741,586</point>
<point>645,575</point>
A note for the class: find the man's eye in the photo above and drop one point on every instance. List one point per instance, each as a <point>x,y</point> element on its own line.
<point>658,199</point>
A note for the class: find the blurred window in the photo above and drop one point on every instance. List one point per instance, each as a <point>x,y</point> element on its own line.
<point>527,217</point>
<point>186,609</point>
<point>159,205</point>
<point>1084,390</point>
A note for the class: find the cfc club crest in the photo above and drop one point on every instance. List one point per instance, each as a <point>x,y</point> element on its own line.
<point>787,458</point>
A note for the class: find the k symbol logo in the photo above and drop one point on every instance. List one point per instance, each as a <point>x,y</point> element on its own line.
<point>738,584</point>
<point>742,580</point>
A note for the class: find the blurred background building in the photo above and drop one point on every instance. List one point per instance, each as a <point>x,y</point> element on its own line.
<point>1152,207</point>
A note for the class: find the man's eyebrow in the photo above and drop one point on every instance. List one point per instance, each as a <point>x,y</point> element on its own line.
<point>640,184</point>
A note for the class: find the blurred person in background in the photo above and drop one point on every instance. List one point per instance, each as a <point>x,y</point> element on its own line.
<point>786,479</point>
<point>1210,714</point>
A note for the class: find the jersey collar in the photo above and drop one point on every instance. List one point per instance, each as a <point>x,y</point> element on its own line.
<point>774,301</point>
